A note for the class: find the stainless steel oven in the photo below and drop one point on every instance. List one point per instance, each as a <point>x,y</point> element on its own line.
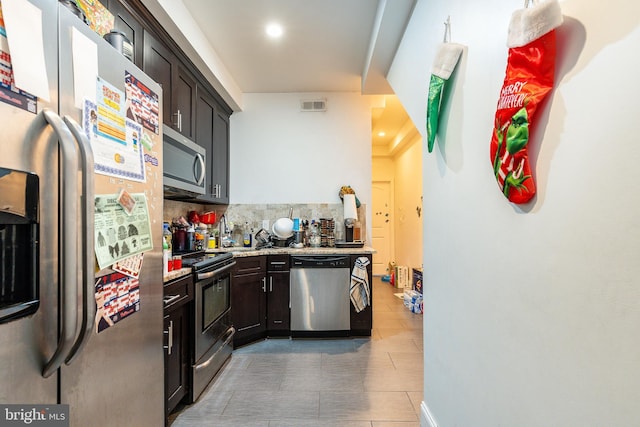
<point>213,329</point>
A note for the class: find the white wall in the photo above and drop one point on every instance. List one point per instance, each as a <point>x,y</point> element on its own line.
<point>281,155</point>
<point>531,313</point>
<point>407,219</point>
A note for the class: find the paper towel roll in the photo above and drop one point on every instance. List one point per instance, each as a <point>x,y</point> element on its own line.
<point>350,210</point>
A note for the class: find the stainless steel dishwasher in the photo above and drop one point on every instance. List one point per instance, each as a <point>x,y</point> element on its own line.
<point>320,296</point>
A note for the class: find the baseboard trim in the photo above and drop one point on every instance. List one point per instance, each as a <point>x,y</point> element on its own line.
<point>426,418</point>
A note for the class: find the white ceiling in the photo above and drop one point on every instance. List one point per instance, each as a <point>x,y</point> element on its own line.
<point>327,46</point>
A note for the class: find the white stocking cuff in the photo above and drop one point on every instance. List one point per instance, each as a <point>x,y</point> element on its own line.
<point>528,24</point>
<point>446,59</point>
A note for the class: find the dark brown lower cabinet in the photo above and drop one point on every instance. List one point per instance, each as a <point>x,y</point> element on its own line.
<point>361,323</point>
<point>176,357</point>
<point>177,349</point>
<point>249,299</point>
<point>260,302</point>
<point>278,307</point>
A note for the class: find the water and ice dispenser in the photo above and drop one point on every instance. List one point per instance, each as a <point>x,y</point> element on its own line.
<point>19,288</point>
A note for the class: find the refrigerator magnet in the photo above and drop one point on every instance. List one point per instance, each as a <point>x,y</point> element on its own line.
<point>125,200</point>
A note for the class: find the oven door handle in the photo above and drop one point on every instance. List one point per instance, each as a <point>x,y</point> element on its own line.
<point>203,276</point>
<point>230,333</point>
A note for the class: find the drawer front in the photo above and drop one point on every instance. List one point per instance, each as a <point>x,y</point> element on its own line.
<point>250,265</point>
<point>278,262</point>
<point>178,292</point>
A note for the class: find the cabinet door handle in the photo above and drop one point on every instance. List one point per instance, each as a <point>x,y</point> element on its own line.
<point>169,345</point>
<point>170,298</point>
<point>176,123</point>
<point>270,284</point>
<point>180,120</point>
<point>264,285</point>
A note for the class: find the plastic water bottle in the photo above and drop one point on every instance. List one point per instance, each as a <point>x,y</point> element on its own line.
<point>167,236</point>
<point>165,258</point>
<point>166,248</point>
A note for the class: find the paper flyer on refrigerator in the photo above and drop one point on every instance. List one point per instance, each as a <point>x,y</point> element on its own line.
<point>114,157</point>
<point>117,297</point>
<point>119,235</point>
<point>141,103</point>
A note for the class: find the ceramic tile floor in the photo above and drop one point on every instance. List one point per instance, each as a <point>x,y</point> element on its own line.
<point>351,382</point>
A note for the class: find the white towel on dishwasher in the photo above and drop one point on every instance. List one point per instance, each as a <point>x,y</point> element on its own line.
<point>360,292</point>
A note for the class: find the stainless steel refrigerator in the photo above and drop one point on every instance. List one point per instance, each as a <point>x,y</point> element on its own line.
<point>114,377</point>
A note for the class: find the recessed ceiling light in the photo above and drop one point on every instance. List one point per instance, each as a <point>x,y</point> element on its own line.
<point>381,134</point>
<point>274,30</point>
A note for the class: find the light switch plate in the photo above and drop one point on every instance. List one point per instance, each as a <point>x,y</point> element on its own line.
<point>265,224</point>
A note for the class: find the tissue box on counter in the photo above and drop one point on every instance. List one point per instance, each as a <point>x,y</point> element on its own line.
<point>413,301</point>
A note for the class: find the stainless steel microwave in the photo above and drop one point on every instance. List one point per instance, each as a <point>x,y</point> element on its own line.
<point>184,168</point>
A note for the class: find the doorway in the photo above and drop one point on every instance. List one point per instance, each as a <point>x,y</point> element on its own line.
<point>381,225</point>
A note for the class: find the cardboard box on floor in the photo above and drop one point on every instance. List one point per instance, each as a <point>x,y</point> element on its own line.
<point>402,277</point>
<point>416,280</point>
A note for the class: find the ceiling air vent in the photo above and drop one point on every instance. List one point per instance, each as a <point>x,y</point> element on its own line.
<point>313,105</point>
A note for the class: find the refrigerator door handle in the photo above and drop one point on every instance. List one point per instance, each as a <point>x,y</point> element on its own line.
<point>88,263</point>
<point>69,252</point>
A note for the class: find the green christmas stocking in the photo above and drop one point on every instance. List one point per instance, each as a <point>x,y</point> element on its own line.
<point>444,64</point>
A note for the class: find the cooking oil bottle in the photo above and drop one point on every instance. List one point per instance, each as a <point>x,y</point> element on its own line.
<point>246,235</point>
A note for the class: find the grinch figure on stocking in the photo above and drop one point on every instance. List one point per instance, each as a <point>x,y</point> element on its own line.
<point>528,79</point>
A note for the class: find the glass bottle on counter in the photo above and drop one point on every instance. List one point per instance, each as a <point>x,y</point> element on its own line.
<point>357,232</point>
<point>237,236</point>
<point>211,242</point>
<point>315,239</point>
<point>246,236</point>
<point>201,238</point>
<point>191,238</point>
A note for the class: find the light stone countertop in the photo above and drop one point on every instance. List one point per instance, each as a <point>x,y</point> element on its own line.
<point>176,274</point>
<point>239,252</point>
<point>246,252</point>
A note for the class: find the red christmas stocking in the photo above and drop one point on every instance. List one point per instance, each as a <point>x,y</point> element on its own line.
<point>528,79</point>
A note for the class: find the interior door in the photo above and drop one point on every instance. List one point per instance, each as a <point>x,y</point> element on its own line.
<point>382,226</point>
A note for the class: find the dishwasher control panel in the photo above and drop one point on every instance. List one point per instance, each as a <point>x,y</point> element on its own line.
<point>320,261</point>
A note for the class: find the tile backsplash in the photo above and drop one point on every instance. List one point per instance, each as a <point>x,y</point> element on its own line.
<point>255,214</point>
